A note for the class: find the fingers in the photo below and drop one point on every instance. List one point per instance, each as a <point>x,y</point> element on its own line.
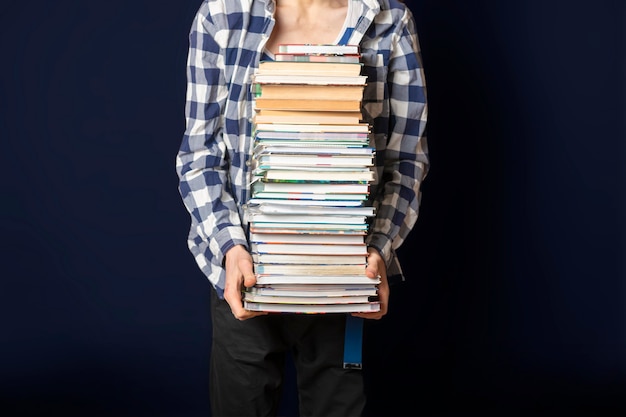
<point>239,272</point>
<point>383,298</point>
<point>376,268</point>
<point>233,296</point>
<point>369,316</point>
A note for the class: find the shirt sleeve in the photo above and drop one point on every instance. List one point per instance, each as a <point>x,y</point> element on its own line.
<point>406,156</point>
<point>202,160</point>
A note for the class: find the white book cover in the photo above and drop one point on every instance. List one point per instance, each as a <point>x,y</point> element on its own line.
<point>312,309</point>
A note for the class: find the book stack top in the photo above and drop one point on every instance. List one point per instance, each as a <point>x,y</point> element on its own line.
<point>312,168</point>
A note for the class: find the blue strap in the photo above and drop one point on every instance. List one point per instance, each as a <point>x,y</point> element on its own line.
<point>353,343</point>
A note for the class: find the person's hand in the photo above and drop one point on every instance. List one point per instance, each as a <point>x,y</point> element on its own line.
<point>239,273</point>
<point>376,266</point>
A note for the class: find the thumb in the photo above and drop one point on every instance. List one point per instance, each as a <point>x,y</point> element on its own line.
<point>247,271</point>
<point>371,271</point>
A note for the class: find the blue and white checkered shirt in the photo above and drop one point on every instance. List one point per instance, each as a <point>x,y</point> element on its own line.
<point>226,42</point>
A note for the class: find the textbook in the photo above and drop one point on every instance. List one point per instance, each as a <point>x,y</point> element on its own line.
<point>313,128</point>
<point>309,92</point>
<point>330,176</point>
<point>329,279</point>
<point>309,68</point>
<point>308,117</point>
<point>310,228</point>
<point>281,206</point>
<point>299,229</point>
<point>328,239</point>
<point>281,258</point>
<point>309,249</point>
<point>317,149</point>
<point>346,139</point>
<point>314,270</point>
<point>263,103</point>
<point>289,187</point>
<point>311,196</point>
<point>314,290</point>
<point>294,160</point>
<point>312,308</point>
<point>306,219</point>
<point>325,80</point>
<point>287,299</point>
<point>257,201</point>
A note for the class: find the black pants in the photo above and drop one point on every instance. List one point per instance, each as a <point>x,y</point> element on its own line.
<point>248,358</point>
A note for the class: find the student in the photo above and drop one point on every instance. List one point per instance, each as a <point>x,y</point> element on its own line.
<point>227,40</point>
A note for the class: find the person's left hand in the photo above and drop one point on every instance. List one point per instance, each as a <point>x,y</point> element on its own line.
<point>376,266</point>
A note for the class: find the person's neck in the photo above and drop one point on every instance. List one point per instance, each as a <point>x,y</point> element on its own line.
<point>307,21</point>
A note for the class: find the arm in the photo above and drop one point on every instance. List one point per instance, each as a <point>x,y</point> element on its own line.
<point>406,155</point>
<point>406,159</point>
<point>203,163</point>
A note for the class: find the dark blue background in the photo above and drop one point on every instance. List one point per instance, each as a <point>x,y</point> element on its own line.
<point>516,291</point>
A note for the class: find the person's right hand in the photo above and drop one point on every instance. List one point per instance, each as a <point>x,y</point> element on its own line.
<point>239,273</point>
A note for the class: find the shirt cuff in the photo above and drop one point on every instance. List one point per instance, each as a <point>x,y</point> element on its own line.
<point>227,238</point>
<point>382,244</point>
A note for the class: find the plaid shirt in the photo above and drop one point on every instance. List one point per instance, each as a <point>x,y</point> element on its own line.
<point>226,41</point>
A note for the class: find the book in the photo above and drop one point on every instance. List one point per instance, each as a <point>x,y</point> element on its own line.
<point>316,138</point>
<point>312,128</point>
<point>310,68</point>
<point>320,160</point>
<point>309,92</point>
<point>289,187</point>
<point>263,103</point>
<point>309,249</point>
<point>319,49</point>
<point>310,300</point>
<point>312,196</point>
<point>311,308</point>
<point>257,218</point>
<point>325,80</point>
<point>330,176</point>
<point>280,258</point>
<point>314,290</point>
<point>316,149</point>
<point>331,280</point>
<point>307,117</point>
<point>314,270</point>
<point>285,207</point>
<point>304,143</point>
<point>309,228</point>
<point>257,201</point>
<point>258,172</point>
<point>304,57</point>
<point>329,239</point>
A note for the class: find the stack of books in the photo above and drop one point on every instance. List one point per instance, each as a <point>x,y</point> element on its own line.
<point>312,164</point>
